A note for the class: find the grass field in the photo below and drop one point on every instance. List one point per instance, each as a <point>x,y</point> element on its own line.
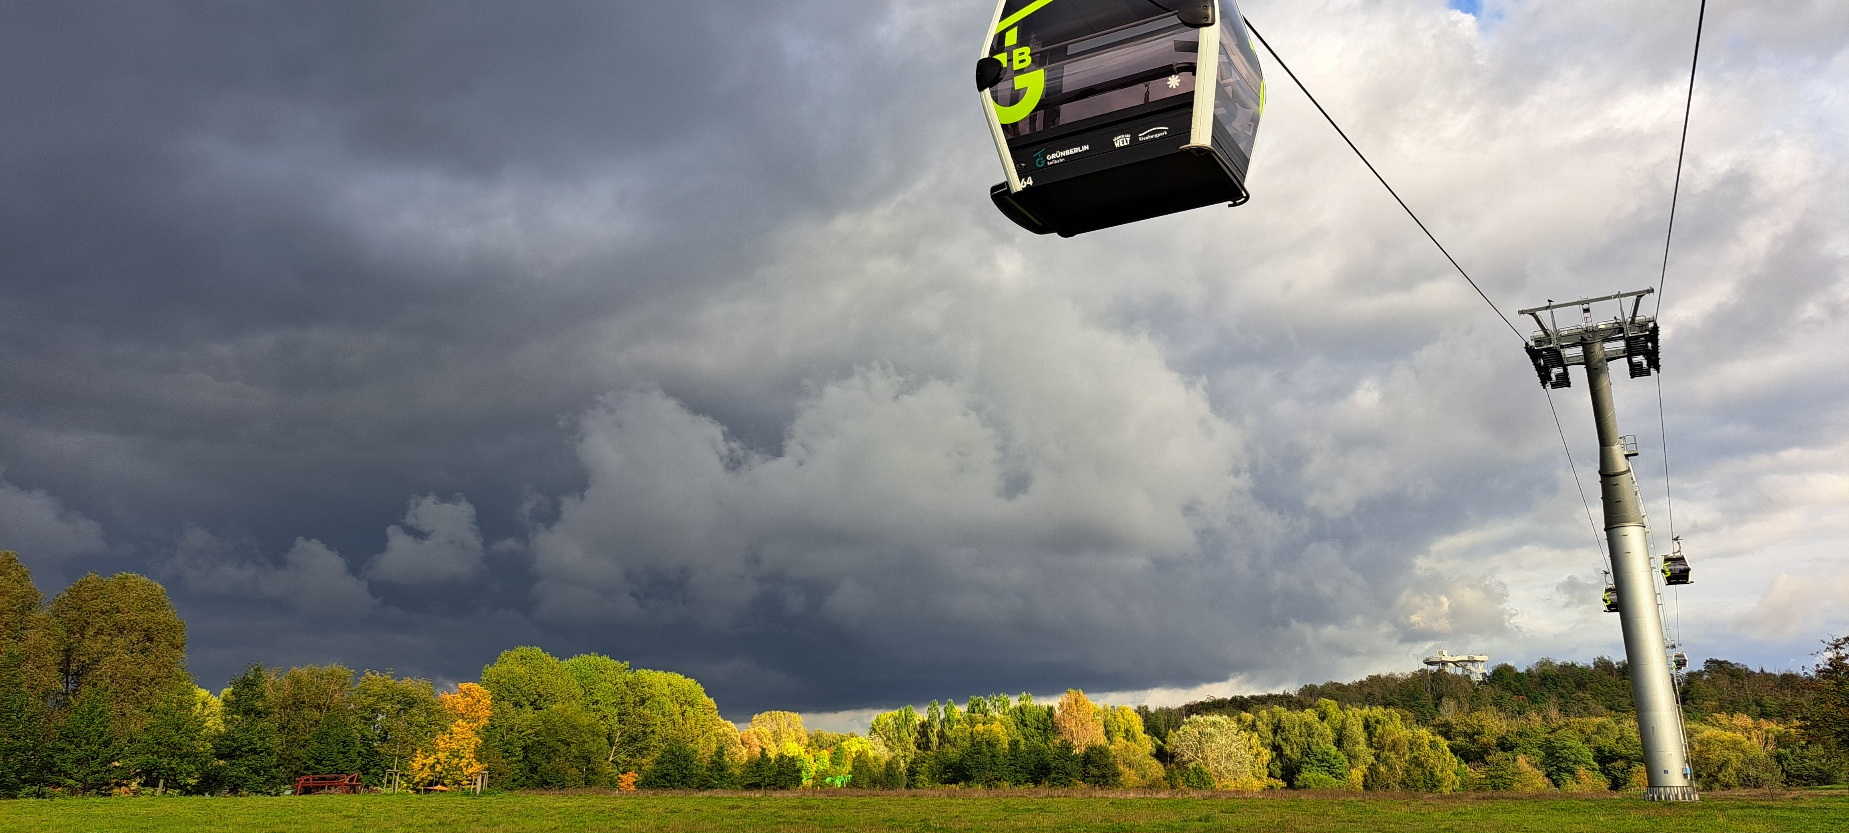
<point>506,813</point>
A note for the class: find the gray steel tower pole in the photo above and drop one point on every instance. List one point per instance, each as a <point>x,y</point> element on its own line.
<point>1659,718</point>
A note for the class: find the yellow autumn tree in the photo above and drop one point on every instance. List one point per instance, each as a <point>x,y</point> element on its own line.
<point>774,729</point>
<point>452,758</point>
<point>1076,720</point>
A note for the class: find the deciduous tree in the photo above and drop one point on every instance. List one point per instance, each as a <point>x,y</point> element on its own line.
<point>771,730</point>
<point>303,698</point>
<point>1826,718</point>
<point>246,750</point>
<point>1232,756</point>
<point>675,768</point>
<point>119,632</point>
<point>1076,720</point>
<point>453,758</point>
<point>172,751</point>
<point>395,718</point>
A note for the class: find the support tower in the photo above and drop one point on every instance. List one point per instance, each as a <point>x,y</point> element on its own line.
<point>1593,344</point>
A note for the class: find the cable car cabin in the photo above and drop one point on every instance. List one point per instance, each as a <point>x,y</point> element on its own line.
<point>1611,599</point>
<point>1676,569</point>
<point>1107,112</point>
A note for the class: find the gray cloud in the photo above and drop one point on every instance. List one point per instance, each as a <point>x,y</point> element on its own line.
<point>32,520</point>
<point>445,544</point>
<point>312,579</point>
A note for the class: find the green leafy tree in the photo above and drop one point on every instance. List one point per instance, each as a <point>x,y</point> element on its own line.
<point>677,767</point>
<point>864,773</point>
<point>85,749</point>
<point>246,749</point>
<point>1098,767</point>
<point>1324,768</point>
<point>120,633</point>
<point>171,752</point>
<point>557,747</point>
<point>303,699</point>
<point>1430,766</point>
<point>1510,772</point>
<point>720,772</point>
<point>1826,717</point>
<point>529,679</point>
<point>892,775</point>
<point>1564,756</point>
<point>27,630</point>
<point>1063,768</point>
<point>20,600</point>
<point>896,733</point>
<point>1290,735</point>
<point>1033,723</point>
<point>22,728</point>
<point>540,734</point>
<point>786,772</point>
<point>335,746</point>
<point>601,683</point>
<point>395,718</point>
<point>1724,760</point>
<point>1194,777</point>
<point>1810,764</point>
<point>659,707</point>
<point>758,773</point>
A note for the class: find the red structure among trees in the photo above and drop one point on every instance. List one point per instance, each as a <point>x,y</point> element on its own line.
<point>312,784</point>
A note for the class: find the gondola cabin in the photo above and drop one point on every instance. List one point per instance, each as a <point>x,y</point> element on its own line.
<point>1675,565</point>
<point>1107,112</point>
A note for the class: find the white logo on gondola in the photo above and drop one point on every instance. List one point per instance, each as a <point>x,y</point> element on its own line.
<point>1152,133</point>
<point>1057,155</point>
<point>1122,141</point>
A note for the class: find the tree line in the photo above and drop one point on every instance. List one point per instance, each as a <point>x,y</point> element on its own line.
<point>95,700</point>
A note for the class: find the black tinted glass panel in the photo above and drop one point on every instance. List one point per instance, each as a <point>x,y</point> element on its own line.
<point>1069,60</point>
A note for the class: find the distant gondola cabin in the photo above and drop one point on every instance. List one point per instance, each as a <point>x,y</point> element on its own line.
<point>1104,112</point>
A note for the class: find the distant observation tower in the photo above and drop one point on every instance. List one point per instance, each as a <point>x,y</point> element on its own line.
<point>1473,666</point>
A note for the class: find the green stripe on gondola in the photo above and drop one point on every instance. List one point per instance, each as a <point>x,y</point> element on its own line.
<point>1018,16</point>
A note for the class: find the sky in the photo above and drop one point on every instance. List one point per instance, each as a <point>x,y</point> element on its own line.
<point>397,335</point>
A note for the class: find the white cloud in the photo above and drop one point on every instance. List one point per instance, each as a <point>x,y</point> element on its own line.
<point>444,545</point>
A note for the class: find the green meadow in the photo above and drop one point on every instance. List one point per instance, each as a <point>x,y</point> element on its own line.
<point>971,810</point>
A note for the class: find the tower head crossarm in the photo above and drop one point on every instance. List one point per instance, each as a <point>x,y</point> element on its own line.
<point>1553,347</point>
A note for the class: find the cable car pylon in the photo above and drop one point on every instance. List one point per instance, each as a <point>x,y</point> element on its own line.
<point>1593,344</point>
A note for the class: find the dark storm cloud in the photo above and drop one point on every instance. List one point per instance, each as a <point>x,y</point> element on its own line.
<point>399,334</point>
